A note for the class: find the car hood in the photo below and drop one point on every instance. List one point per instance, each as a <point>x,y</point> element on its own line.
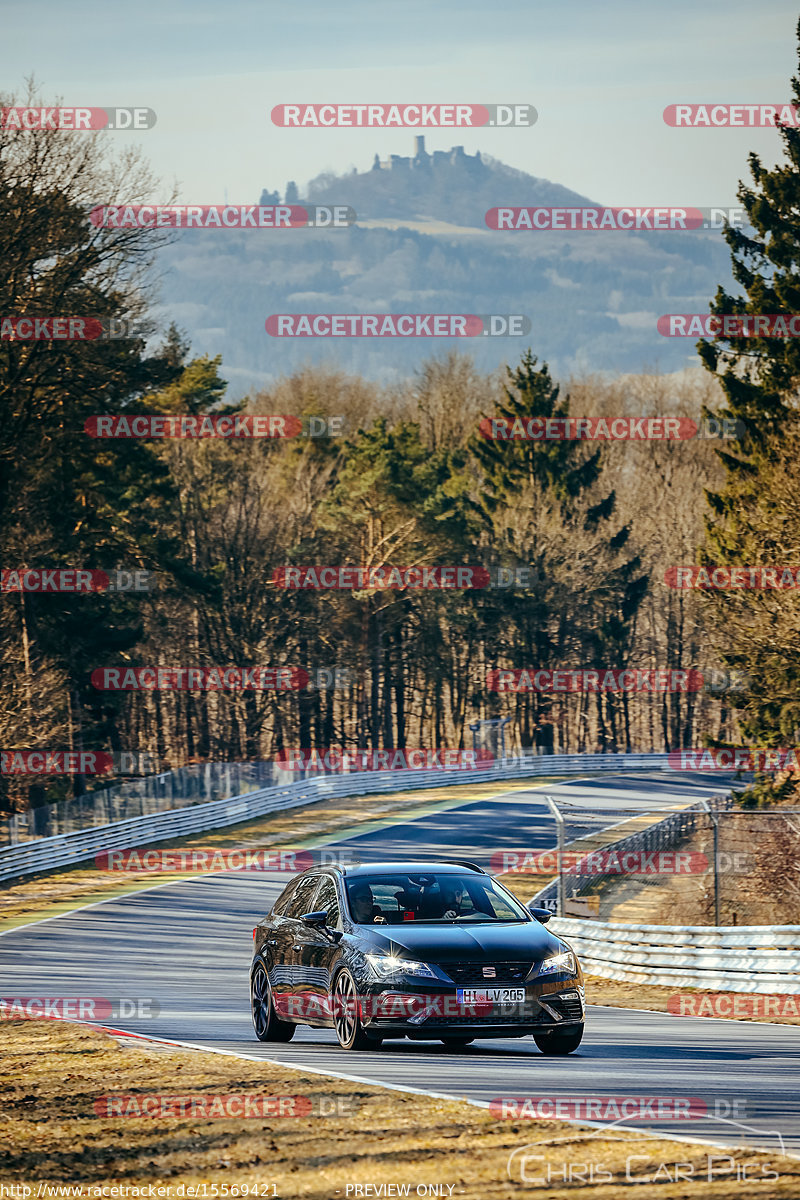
<point>462,943</point>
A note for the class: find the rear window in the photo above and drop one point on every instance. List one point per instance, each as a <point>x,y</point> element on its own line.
<point>300,900</point>
<point>327,901</point>
<point>279,907</point>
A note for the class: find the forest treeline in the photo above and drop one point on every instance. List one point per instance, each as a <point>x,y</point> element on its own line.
<point>410,481</point>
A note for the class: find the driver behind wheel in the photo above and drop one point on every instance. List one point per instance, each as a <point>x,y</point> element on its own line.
<point>362,903</point>
<point>456,901</point>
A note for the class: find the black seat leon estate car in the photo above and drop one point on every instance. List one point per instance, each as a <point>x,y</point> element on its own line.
<point>429,950</point>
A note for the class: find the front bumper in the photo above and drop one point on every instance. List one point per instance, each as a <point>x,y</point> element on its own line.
<point>408,1011</point>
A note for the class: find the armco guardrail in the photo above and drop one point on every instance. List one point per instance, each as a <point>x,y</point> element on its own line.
<point>743,958</point>
<point>44,854</point>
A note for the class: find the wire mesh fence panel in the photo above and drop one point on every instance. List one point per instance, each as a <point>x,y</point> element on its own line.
<point>714,863</point>
<point>758,856</point>
<point>196,783</point>
<point>686,864</point>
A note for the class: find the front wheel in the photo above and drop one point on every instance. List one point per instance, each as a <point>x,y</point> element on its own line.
<point>268,1027</point>
<point>560,1041</point>
<point>346,1017</point>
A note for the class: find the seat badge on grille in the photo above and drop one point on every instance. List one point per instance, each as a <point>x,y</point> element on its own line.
<point>489,973</point>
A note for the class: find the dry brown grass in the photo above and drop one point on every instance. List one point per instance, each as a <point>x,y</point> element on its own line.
<point>51,1074</point>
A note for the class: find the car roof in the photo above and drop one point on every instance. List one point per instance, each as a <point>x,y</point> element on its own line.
<point>403,867</point>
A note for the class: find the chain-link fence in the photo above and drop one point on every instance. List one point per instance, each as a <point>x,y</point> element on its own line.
<point>194,784</point>
<point>757,881</point>
<point>707,863</point>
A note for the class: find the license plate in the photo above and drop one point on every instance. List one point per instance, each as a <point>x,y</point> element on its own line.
<point>495,995</point>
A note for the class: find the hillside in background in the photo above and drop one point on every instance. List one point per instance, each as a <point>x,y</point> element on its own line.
<point>421,245</point>
<point>448,186</point>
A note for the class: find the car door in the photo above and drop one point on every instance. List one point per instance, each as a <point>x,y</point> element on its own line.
<point>278,953</point>
<point>291,934</point>
<point>315,952</point>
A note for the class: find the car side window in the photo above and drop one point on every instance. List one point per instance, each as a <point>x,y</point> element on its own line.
<point>301,898</point>
<point>279,907</point>
<point>326,900</point>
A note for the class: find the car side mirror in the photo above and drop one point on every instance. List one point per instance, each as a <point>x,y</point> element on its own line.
<point>315,918</point>
<point>542,915</point>
<point>319,920</point>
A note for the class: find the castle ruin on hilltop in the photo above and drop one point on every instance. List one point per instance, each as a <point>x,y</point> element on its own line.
<point>421,160</point>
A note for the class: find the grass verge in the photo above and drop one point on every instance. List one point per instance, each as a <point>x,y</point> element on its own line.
<point>55,1130</point>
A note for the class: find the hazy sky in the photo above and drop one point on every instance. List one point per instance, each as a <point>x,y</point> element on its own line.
<point>599,74</point>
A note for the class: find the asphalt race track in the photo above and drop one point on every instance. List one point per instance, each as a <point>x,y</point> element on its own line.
<point>187,946</point>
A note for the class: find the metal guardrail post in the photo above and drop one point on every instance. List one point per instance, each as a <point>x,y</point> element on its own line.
<point>559,818</point>
<point>715,821</point>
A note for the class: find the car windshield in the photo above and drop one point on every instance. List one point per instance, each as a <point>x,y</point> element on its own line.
<point>384,899</point>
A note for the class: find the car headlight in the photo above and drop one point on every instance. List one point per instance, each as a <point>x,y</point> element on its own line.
<point>563,963</point>
<point>387,966</point>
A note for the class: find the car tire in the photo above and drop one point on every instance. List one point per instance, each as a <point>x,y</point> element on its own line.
<point>346,1017</point>
<point>560,1041</point>
<point>268,1027</point>
<point>457,1043</point>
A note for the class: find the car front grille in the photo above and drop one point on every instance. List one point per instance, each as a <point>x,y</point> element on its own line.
<point>471,974</point>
